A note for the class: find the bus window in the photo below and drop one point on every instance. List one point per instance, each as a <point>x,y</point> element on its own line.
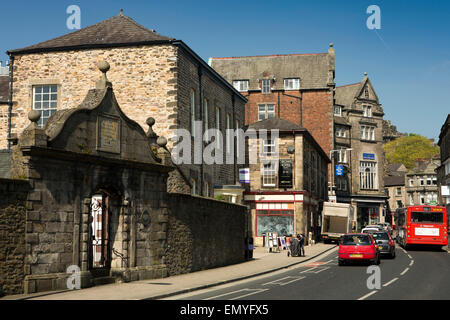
<point>424,217</point>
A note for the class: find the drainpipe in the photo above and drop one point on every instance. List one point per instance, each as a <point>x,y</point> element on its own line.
<point>10,102</point>
<point>234,144</point>
<point>200,73</point>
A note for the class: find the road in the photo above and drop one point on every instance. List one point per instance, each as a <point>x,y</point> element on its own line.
<point>416,273</point>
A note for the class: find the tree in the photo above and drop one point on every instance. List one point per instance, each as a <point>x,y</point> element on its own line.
<point>407,149</point>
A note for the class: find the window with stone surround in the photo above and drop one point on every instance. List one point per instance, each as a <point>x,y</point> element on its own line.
<point>45,100</point>
<point>368,133</point>
<point>367,111</point>
<point>269,173</point>
<point>368,175</point>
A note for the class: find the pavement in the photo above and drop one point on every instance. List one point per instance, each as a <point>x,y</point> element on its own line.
<point>263,262</point>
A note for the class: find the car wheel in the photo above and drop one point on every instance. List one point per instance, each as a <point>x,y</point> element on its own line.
<point>393,254</point>
<point>378,260</point>
<point>341,262</point>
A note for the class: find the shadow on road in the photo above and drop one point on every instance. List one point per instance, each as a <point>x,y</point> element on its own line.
<point>425,247</point>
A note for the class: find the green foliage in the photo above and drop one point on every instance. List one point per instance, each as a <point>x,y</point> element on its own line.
<point>407,149</point>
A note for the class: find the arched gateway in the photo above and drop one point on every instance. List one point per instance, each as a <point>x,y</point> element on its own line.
<point>98,203</point>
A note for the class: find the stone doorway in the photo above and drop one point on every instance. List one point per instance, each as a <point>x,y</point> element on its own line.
<point>103,215</point>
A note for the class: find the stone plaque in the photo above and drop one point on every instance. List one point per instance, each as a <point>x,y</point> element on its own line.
<point>108,134</point>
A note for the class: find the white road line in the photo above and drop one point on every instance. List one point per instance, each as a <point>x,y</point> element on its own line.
<point>313,270</point>
<point>368,295</point>
<point>388,283</point>
<point>281,283</point>
<point>404,271</point>
<point>411,263</point>
<point>253,291</point>
<point>409,256</point>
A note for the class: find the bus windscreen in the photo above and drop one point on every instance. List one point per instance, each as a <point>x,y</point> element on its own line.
<point>427,217</point>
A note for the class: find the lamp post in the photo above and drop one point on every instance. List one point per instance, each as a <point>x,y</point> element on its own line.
<point>334,171</point>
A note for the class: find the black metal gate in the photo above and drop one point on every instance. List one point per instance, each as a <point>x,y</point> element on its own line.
<point>99,232</point>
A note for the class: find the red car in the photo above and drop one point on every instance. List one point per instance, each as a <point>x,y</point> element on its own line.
<point>358,247</point>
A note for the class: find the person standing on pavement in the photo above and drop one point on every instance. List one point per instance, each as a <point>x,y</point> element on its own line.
<point>302,244</point>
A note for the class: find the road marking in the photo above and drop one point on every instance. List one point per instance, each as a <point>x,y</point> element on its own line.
<point>411,263</point>
<point>315,270</point>
<point>388,283</point>
<point>404,271</point>
<point>409,256</point>
<point>368,295</point>
<point>252,291</point>
<point>281,283</point>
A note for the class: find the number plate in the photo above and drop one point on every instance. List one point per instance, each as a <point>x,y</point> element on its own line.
<point>356,256</point>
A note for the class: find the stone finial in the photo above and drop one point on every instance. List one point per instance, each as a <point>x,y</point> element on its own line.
<point>365,74</point>
<point>331,44</point>
<point>150,133</point>
<point>34,116</point>
<point>103,83</point>
<point>161,141</point>
<point>33,135</point>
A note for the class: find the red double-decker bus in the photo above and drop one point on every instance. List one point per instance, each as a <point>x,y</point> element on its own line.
<point>422,225</point>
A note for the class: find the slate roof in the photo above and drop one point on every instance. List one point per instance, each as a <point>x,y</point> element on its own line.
<point>276,123</point>
<point>394,181</point>
<point>312,69</point>
<point>346,94</point>
<point>119,30</point>
<point>286,126</point>
<point>4,89</point>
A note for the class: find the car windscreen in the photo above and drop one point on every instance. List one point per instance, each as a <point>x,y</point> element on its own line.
<point>380,236</point>
<point>355,239</point>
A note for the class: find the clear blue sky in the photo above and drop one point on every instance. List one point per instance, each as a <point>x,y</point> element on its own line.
<point>408,59</point>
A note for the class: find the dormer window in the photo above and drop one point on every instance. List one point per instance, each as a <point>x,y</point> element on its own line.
<point>240,85</point>
<point>265,86</point>
<point>292,84</point>
<point>337,110</point>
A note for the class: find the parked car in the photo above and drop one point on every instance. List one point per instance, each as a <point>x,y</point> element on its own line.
<point>385,243</point>
<point>358,247</point>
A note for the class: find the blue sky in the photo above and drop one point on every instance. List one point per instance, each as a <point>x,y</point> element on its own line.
<point>407,60</point>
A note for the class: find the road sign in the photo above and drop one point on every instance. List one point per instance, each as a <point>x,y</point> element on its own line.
<point>339,170</point>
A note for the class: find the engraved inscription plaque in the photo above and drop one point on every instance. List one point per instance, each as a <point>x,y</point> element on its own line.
<point>108,134</point>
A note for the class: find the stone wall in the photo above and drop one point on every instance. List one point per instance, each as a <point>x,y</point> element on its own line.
<point>12,235</point>
<point>203,233</point>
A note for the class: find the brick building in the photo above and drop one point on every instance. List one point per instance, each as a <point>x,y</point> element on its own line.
<point>293,87</point>
<point>443,170</point>
<point>358,152</point>
<point>153,74</point>
<point>394,186</point>
<point>288,183</point>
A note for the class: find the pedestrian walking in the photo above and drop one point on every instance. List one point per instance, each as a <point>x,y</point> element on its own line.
<point>302,244</point>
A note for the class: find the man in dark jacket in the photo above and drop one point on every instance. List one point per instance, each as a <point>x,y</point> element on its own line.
<point>301,239</point>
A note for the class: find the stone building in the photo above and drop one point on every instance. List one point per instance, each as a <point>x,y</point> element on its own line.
<point>294,87</point>
<point>421,183</point>
<point>443,171</point>
<point>87,204</point>
<point>358,151</point>
<point>288,182</point>
<point>394,186</point>
<point>152,73</point>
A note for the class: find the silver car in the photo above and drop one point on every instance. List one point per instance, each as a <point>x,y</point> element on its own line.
<point>385,243</point>
<point>386,227</point>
